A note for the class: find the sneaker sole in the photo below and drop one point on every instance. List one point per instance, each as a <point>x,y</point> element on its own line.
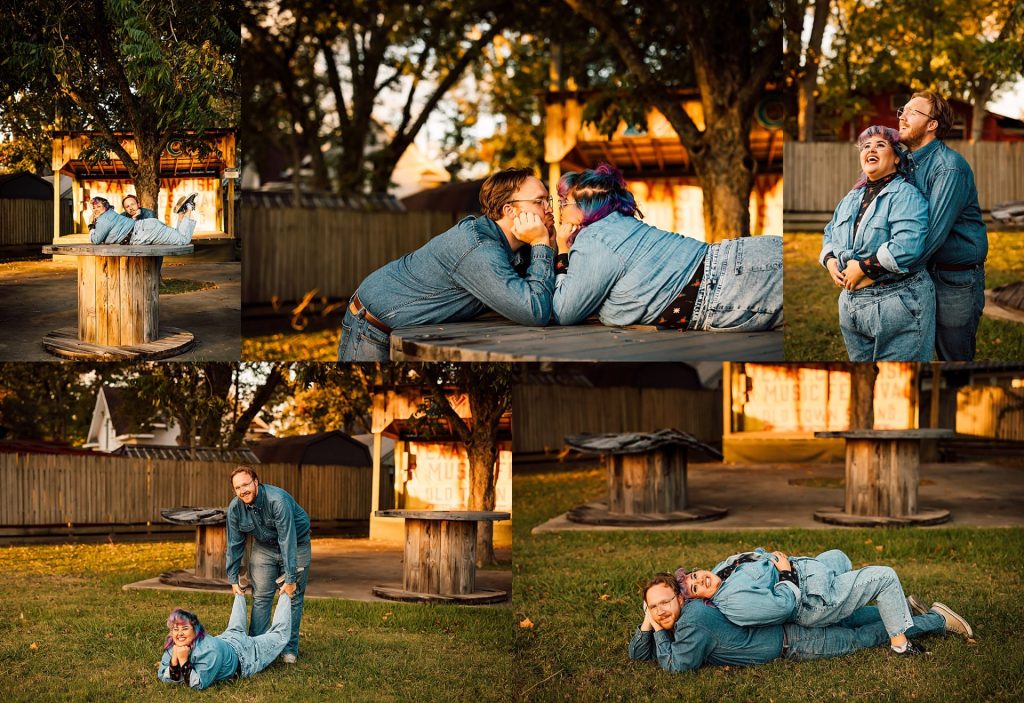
<point>945,610</point>
<point>916,606</point>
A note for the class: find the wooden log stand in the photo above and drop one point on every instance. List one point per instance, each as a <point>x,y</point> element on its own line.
<point>118,305</point>
<point>882,476</point>
<point>211,548</point>
<point>646,488</point>
<point>440,558</point>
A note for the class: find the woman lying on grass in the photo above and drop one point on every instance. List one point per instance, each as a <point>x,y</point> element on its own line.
<point>192,658</point>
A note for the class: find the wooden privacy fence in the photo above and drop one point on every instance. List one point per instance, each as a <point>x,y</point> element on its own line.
<point>978,410</point>
<point>544,415</point>
<point>24,221</point>
<point>47,489</point>
<point>819,174</point>
<point>287,252</point>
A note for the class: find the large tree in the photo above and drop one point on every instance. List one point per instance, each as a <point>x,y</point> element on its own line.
<point>51,402</point>
<point>729,50</point>
<point>154,69</point>
<point>803,60</point>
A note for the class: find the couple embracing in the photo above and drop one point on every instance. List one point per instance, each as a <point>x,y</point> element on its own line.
<point>602,259</point>
<point>908,243</point>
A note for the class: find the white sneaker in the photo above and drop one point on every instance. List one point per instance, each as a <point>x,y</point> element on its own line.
<point>288,658</point>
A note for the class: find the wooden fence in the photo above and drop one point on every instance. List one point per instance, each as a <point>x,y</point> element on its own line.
<point>46,489</point>
<point>26,222</point>
<point>819,174</point>
<point>979,407</point>
<point>544,415</point>
<point>287,252</point>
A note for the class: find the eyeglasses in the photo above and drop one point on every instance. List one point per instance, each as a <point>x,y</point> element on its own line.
<point>244,487</point>
<point>904,110</point>
<point>181,628</point>
<point>663,605</point>
<point>867,144</point>
<point>541,202</point>
<point>567,203</point>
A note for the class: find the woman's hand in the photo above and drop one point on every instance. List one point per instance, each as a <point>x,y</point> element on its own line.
<point>179,654</point>
<point>833,269</point>
<point>782,562</point>
<point>563,236</point>
<point>853,275</point>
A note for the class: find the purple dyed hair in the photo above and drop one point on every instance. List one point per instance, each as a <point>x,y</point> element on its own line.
<point>183,617</point>
<point>598,192</point>
<point>681,575</point>
<point>890,135</point>
<point>101,201</point>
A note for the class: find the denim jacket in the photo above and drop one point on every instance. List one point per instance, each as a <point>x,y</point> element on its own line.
<point>702,635</point>
<point>625,270</point>
<point>212,660</point>
<point>893,229</point>
<point>753,594</point>
<point>457,276</point>
<point>274,518</point>
<point>111,228</point>
<point>956,232</point>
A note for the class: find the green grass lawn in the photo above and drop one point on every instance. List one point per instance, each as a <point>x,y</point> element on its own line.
<point>580,592</point>
<point>812,312</point>
<point>321,345</point>
<point>68,632</point>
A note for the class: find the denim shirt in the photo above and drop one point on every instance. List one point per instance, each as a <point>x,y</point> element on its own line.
<point>111,228</point>
<point>212,660</point>
<point>625,270</point>
<point>893,228</point>
<point>702,635</point>
<point>457,276</point>
<point>956,232</point>
<point>753,594</point>
<point>274,518</point>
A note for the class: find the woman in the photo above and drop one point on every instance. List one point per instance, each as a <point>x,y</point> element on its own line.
<point>192,658</point>
<point>111,227</point>
<point>611,263</point>
<point>874,248</point>
<point>758,588</point>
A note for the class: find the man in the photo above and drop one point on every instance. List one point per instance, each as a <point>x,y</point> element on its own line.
<point>461,273</point>
<point>684,638</point>
<point>131,208</point>
<point>280,532</point>
<point>111,227</point>
<point>956,243</point>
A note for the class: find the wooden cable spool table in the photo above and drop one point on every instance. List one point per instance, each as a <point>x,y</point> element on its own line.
<point>211,547</point>
<point>440,557</point>
<point>118,304</point>
<point>882,476</point>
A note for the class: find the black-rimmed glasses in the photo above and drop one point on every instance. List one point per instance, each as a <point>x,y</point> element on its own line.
<point>904,110</point>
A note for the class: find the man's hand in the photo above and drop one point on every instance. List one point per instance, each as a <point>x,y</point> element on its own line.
<point>289,588</point>
<point>782,562</point>
<point>237,590</point>
<point>179,654</point>
<point>565,232</point>
<point>648,624</point>
<point>833,269</point>
<point>853,275</point>
<point>529,228</point>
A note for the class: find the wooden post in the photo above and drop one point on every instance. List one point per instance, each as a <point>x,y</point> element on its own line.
<point>651,482</point>
<point>882,476</point>
<point>211,551</point>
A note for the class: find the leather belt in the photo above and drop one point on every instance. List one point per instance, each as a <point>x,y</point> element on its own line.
<point>954,267</point>
<point>356,307</point>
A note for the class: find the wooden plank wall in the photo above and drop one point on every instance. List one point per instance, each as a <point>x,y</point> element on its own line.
<point>978,409</point>
<point>819,174</point>
<point>44,489</point>
<point>544,415</point>
<point>290,251</point>
<point>26,221</point>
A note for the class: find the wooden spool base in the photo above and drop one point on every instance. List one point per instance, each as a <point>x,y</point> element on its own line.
<point>186,579</point>
<point>476,598</point>
<point>598,514</point>
<point>926,516</point>
<point>66,344</point>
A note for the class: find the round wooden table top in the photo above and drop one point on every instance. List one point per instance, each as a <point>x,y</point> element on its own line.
<point>118,249</point>
<point>454,515</point>
<point>927,433</point>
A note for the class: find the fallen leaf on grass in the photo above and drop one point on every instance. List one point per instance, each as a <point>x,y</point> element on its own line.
<point>526,624</point>
<point>339,685</point>
<point>971,640</point>
<point>605,596</point>
<point>867,541</point>
<point>387,615</point>
<point>879,548</point>
<point>110,635</point>
<point>33,646</point>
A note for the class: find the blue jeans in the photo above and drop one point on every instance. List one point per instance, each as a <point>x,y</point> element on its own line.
<point>864,628</point>
<point>959,301</point>
<point>894,322</point>
<point>361,341</point>
<point>265,565</point>
<point>828,603</point>
<point>742,286</point>
<point>257,653</point>
<point>151,231</point>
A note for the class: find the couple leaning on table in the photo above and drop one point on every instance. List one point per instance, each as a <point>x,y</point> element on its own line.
<point>908,244</point>
<point>608,262</point>
<point>756,607</point>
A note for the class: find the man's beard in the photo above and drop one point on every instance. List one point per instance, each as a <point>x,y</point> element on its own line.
<point>914,137</point>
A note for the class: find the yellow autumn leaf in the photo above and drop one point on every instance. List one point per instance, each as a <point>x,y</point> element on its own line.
<point>33,646</point>
<point>526,624</point>
<point>879,548</point>
<point>605,596</point>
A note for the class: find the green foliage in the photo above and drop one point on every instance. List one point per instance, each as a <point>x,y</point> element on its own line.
<point>47,401</point>
<point>579,591</point>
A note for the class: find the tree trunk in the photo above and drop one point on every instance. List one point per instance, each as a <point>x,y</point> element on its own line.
<point>979,97</point>
<point>147,179</point>
<point>862,395</point>
<point>808,82</point>
<point>725,168</point>
<point>482,456</point>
